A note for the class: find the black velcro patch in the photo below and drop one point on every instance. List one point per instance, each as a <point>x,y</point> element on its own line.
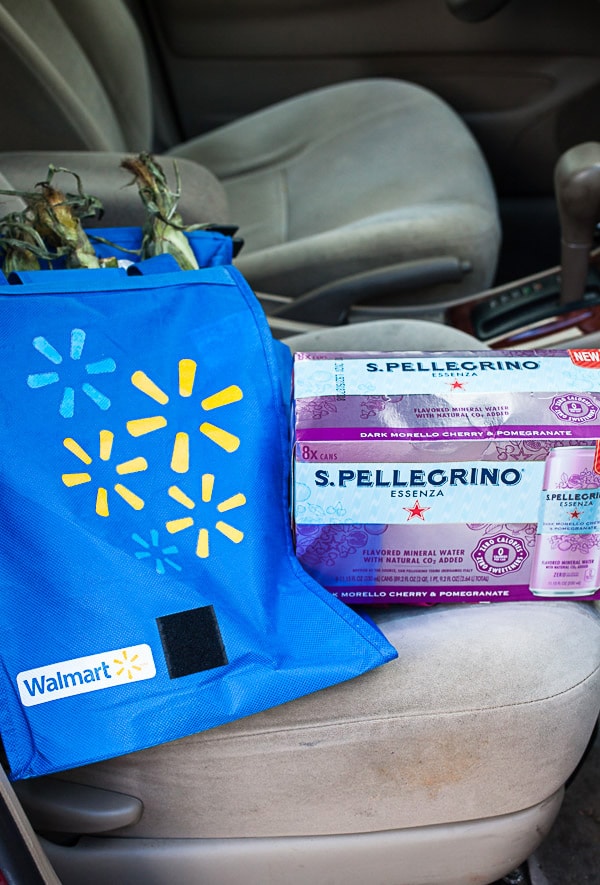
<point>191,641</point>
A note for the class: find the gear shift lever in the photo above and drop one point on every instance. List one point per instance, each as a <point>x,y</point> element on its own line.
<point>577,187</point>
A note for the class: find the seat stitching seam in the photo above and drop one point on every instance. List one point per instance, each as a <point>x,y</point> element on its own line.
<point>399,716</point>
<point>295,152</point>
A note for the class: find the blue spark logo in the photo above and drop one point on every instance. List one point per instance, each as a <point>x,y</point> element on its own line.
<point>44,379</point>
<point>153,550</point>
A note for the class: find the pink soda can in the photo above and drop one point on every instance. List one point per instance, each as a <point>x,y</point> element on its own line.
<point>566,560</point>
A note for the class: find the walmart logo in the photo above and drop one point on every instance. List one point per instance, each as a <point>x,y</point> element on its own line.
<point>101,481</point>
<point>90,673</point>
<point>99,367</point>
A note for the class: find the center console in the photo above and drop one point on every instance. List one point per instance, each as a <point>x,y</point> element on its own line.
<point>530,312</point>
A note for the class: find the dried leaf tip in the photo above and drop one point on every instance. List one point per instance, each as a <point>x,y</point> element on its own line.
<point>163,230</point>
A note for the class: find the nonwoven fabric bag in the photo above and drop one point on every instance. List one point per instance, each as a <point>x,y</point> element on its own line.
<point>211,248</point>
<point>148,585</point>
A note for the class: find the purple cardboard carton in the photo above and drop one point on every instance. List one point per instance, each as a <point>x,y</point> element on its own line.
<point>469,476</point>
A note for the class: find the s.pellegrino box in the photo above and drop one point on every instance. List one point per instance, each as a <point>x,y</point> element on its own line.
<point>469,476</point>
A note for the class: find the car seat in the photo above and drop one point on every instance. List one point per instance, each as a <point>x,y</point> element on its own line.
<point>339,182</point>
<point>443,767</point>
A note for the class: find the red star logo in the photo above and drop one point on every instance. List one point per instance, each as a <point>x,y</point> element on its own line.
<point>575,514</point>
<point>416,511</point>
<point>457,385</point>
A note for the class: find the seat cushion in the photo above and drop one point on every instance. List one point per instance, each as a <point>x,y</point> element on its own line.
<point>486,711</point>
<point>351,177</point>
<point>385,335</point>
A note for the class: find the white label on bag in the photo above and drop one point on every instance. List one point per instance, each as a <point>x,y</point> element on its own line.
<point>90,673</point>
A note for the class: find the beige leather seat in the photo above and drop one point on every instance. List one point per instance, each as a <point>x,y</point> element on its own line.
<point>338,182</point>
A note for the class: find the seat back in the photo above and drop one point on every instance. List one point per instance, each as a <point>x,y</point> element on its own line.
<point>75,77</point>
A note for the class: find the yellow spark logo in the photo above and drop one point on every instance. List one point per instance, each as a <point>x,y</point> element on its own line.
<point>180,458</point>
<point>135,465</point>
<point>128,665</point>
<point>186,522</point>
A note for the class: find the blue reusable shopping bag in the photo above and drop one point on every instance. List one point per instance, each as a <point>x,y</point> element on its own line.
<point>148,586</point>
<point>210,247</point>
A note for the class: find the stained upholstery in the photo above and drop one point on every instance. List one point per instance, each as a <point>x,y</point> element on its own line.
<point>486,712</point>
